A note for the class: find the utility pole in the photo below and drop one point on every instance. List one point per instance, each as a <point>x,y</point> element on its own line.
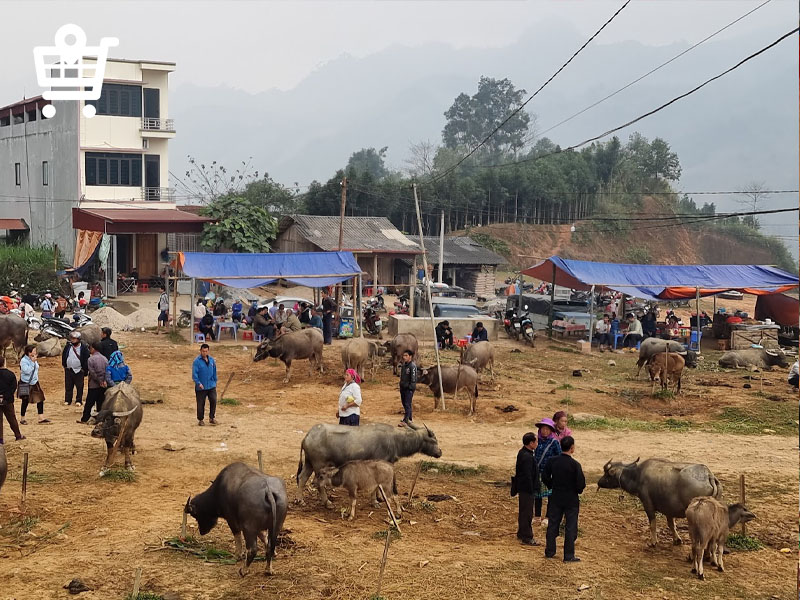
<point>427,283</point>
<point>341,241</point>
<point>441,248</point>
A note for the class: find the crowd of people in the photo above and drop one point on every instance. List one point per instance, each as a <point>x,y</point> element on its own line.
<point>446,340</point>
<point>635,329</point>
<point>102,364</point>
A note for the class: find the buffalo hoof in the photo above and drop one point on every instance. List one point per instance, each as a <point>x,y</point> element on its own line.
<point>651,544</point>
<point>694,570</point>
<point>701,577</point>
<point>677,542</point>
<point>285,381</point>
<point>268,572</point>
<point>103,471</point>
<point>242,572</point>
<point>130,468</point>
<point>329,504</point>
<point>720,569</point>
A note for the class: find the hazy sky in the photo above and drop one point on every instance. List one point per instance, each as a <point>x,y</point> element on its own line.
<point>258,45</point>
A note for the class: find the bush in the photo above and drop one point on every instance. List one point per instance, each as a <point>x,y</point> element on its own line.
<point>638,255</point>
<point>737,541</point>
<point>31,267</point>
<point>491,243</point>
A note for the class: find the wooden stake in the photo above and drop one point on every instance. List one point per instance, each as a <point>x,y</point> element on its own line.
<point>742,500</point>
<point>24,477</point>
<point>389,508</point>
<point>225,389</point>
<point>183,526</point>
<point>383,560</point>
<point>414,482</point>
<point>260,461</point>
<point>137,580</point>
<point>117,443</point>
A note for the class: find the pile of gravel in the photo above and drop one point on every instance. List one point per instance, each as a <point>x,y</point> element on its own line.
<point>144,317</point>
<point>108,317</point>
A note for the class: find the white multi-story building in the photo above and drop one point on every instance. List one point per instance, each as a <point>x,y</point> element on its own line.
<point>74,179</point>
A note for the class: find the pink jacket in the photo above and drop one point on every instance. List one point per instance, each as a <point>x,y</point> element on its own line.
<point>562,434</point>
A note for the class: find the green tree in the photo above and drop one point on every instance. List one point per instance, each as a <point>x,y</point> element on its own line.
<point>368,161</point>
<point>471,118</point>
<point>241,224</point>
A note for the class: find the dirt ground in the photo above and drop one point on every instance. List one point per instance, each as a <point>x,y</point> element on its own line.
<point>75,524</point>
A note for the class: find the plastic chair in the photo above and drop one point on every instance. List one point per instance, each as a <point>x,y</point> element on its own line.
<point>144,288</point>
<point>617,337</point>
<point>199,337</point>
<point>257,337</point>
<point>231,326</point>
<point>247,335</point>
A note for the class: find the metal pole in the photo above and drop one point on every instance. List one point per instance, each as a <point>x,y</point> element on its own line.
<point>591,316</point>
<point>360,313</point>
<point>412,288</point>
<point>428,290</point>
<point>441,248</point>
<point>697,310</point>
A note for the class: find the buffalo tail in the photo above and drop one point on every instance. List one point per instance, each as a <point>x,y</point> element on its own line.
<point>273,534</point>
<point>299,467</point>
<point>476,390</point>
<point>394,483</point>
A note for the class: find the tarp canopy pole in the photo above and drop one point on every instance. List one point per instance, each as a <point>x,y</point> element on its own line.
<point>697,322</point>
<point>591,316</point>
<point>552,301</point>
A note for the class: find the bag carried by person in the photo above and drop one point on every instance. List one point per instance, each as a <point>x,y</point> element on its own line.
<point>513,486</point>
<point>23,389</point>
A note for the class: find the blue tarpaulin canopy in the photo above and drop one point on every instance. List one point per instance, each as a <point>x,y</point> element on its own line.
<point>663,282</point>
<point>311,269</point>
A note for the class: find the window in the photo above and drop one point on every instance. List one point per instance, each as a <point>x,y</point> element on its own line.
<point>5,121</point>
<point>111,168</point>
<point>119,100</point>
<point>45,173</point>
<point>17,174</point>
<point>20,118</point>
<point>31,114</point>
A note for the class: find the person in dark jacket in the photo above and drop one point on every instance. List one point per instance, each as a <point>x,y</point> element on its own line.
<point>8,385</point>
<point>565,476</point>
<point>75,360</point>
<point>263,324</point>
<point>408,383</point>
<point>444,335</point>
<point>97,381</point>
<point>526,482</point>
<point>328,314</point>
<point>107,345</point>
<point>479,334</point>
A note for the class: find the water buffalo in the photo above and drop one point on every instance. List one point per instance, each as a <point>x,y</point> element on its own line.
<point>362,475</point>
<point>3,465</point>
<point>466,377</point>
<point>334,445</point>
<point>119,417</point>
<point>90,333</point>
<point>50,347</point>
<point>251,502</point>
<point>662,486</point>
<point>652,346</point>
<point>358,351</point>
<point>479,356</point>
<point>14,333</point>
<point>753,357</point>
<point>709,523</point>
<point>293,346</point>
<point>398,345</point>
<point>667,367</point>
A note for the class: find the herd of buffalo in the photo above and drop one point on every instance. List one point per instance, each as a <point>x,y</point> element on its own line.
<point>254,504</point>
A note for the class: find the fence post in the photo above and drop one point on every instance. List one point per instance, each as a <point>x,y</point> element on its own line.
<point>24,477</point>
<point>742,500</point>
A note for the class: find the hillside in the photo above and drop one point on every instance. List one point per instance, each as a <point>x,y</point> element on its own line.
<point>651,244</point>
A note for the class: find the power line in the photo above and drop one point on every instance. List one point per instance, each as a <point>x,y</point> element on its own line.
<point>531,97</point>
<point>640,117</point>
<point>651,71</point>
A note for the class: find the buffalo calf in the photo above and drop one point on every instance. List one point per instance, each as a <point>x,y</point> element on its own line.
<point>362,475</point>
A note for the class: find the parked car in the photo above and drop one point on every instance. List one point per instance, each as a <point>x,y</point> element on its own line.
<point>732,295</point>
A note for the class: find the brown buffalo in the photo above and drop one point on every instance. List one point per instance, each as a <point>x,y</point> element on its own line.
<point>358,351</point>
<point>454,378</point>
<point>398,345</point>
<point>297,345</point>
<point>13,332</point>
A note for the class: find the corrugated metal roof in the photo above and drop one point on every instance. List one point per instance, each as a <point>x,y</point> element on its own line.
<point>13,224</point>
<point>367,234</point>
<point>462,251</point>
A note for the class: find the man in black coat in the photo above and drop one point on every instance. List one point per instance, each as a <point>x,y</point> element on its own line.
<point>107,344</point>
<point>526,481</point>
<point>564,475</point>
<point>75,360</point>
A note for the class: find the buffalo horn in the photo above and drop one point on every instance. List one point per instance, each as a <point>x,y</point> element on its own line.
<point>426,429</point>
<point>771,352</point>
<point>412,426</point>
<point>188,502</point>
<point>124,414</point>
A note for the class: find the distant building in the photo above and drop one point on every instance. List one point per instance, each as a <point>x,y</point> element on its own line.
<point>378,245</point>
<point>467,264</point>
<point>74,179</point>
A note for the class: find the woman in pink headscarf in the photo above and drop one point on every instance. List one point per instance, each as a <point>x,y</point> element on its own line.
<point>350,399</point>
<point>560,419</point>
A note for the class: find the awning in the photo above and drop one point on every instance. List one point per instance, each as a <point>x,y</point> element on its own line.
<point>13,225</point>
<point>782,309</point>
<point>664,282</point>
<point>137,220</point>
<point>86,246</point>
<point>311,269</point>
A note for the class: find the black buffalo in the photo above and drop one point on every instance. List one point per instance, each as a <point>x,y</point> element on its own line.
<point>120,415</point>
<point>251,502</point>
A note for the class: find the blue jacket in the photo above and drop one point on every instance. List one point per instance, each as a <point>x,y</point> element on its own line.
<point>204,374</point>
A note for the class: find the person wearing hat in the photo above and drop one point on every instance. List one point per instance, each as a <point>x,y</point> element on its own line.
<point>565,476</point>
<point>547,449</point>
<point>350,399</point>
<point>444,335</point>
<point>117,371</point>
<point>525,483</point>
<point>75,360</point>
<point>479,334</point>
<point>47,306</point>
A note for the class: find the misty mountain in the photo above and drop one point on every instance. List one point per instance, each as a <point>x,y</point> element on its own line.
<point>740,128</point>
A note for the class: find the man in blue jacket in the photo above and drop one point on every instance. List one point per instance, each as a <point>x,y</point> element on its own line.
<point>204,374</point>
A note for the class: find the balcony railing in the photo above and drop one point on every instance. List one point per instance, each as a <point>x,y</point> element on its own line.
<point>158,194</point>
<point>151,124</point>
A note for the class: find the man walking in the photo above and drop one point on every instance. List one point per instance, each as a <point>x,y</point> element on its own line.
<point>328,309</point>
<point>204,374</point>
<point>564,475</point>
<point>97,381</point>
<point>526,482</point>
<point>163,306</point>
<point>75,360</point>
<point>8,385</point>
<point>107,345</point>
<point>408,383</point>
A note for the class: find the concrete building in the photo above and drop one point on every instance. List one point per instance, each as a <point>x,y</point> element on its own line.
<point>75,180</point>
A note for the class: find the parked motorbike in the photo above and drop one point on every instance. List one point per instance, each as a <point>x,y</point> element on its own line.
<point>401,305</point>
<point>372,322</point>
<point>59,328</point>
<point>376,302</point>
<point>185,318</point>
<point>33,321</point>
<point>528,332</point>
<point>80,319</point>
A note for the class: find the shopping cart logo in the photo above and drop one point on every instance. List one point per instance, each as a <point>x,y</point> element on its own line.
<point>61,68</point>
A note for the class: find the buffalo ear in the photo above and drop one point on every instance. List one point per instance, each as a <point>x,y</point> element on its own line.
<point>637,460</point>
<point>607,466</point>
<point>188,508</point>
